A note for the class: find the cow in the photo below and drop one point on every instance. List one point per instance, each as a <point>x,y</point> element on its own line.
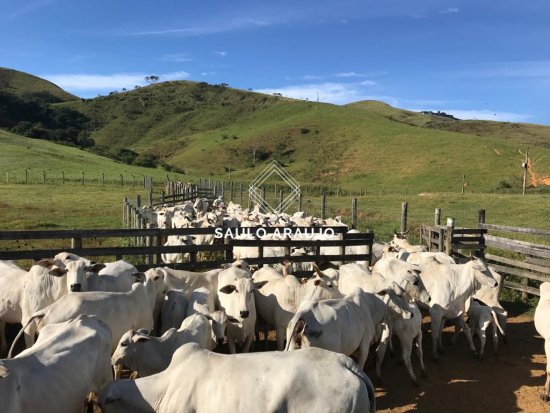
<point>279,298</point>
<point>12,283</point>
<point>481,317</point>
<point>401,243</point>
<point>174,309</point>
<point>490,297</point>
<point>200,381</point>
<point>236,296</point>
<point>176,257</point>
<point>343,325</point>
<point>450,286</point>
<point>147,355</point>
<point>542,324</point>
<point>120,311</point>
<point>69,360</point>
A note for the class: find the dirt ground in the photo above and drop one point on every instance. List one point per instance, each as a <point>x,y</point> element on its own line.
<point>508,382</point>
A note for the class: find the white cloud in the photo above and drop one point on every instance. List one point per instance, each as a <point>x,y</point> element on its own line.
<point>535,69</point>
<point>350,74</point>
<point>205,28</point>
<point>485,114</point>
<point>220,53</point>
<point>330,92</point>
<point>176,58</point>
<point>96,82</point>
<point>449,10</point>
<point>208,73</point>
<point>28,8</point>
<point>368,83</point>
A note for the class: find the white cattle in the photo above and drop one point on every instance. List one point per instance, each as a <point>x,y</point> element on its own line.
<point>146,355</point>
<point>176,257</point>
<point>542,324</point>
<point>481,317</point>
<point>187,281</point>
<point>68,361</point>
<point>279,298</point>
<point>120,311</point>
<point>400,241</point>
<point>204,382</point>
<point>66,257</point>
<point>450,286</point>
<point>45,283</point>
<point>201,301</point>
<point>81,277</point>
<point>236,296</point>
<point>174,309</point>
<point>490,297</point>
<point>343,325</point>
<point>12,283</point>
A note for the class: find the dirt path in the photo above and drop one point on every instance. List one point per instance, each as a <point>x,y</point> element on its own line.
<point>508,382</point>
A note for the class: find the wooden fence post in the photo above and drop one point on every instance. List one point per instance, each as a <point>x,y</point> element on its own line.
<point>241,191</point>
<point>323,206</point>
<point>76,243</point>
<point>102,178</point>
<point>437,218</point>
<point>124,218</point>
<point>121,180</point>
<point>354,213</point>
<point>463,183</point>
<point>44,177</point>
<point>280,201</point>
<point>449,235</point>
<point>26,176</point>
<point>82,178</point>
<point>404,207</point>
<point>300,203</point>
<point>481,216</point>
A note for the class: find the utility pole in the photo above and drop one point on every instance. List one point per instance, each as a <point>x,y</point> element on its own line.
<point>525,166</point>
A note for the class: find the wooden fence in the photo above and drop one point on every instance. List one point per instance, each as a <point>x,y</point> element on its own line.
<point>530,262</point>
<point>148,245</point>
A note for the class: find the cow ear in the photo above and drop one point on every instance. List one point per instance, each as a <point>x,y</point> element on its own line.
<point>46,263</point>
<point>57,272</point>
<point>139,276</point>
<point>232,319</point>
<point>95,267</point>
<point>260,284</point>
<point>317,282</point>
<point>382,292</point>
<point>228,289</point>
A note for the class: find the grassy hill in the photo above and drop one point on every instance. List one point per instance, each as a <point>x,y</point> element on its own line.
<point>35,155</point>
<point>26,85</point>
<point>210,130</point>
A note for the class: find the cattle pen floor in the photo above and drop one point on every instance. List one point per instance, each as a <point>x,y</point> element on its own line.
<point>508,382</point>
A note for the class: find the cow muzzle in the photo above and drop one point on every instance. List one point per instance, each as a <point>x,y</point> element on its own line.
<point>245,314</point>
<point>76,288</point>
<point>220,341</point>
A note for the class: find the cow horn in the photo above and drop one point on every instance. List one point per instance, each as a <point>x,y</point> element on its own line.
<point>317,270</point>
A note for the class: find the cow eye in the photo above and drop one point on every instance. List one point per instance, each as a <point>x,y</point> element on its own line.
<point>124,344</point>
<point>415,282</point>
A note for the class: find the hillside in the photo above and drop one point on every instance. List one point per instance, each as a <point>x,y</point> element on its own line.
<point>25,85</point>
<point>210,130</point>
<point>35,155</point>
<point>521,133</point>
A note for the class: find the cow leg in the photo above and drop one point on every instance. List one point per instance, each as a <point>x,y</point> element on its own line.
<point>247,343</point>
<point>482,334</point>
<point>468,334</point>
<point>436,331</point>
<point>420,353</point>
<point>363,352</point>
<point>546,395</point>
<point>29,334</point>
<point>495,337</point>
<point>231,344</point>
<point>281,335</point>
<point>406,347</point>
<point>381,350</point>
<point>457,332</point>
<point>3,342</point>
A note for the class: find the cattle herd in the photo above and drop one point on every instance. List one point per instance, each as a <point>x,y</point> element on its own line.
<point>88,325</point>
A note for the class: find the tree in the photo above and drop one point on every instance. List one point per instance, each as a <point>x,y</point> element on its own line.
<point>152,79</point>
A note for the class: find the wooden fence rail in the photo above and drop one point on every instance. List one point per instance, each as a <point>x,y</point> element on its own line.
<point>149,245</point>
<point>531,268</point>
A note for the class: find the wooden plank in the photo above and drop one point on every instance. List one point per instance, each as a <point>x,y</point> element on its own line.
<point>505,228</point>
<point>462,246</point>
<point>295,243</point>
<point>537,261</point>
<point>479,240</point>
<point>523,288</point>
<point>522,247</point>
<point>526,265</point>
<point>520,273</point>
<point>465,231</point>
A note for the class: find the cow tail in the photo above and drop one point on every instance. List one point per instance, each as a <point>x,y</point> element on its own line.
<point>39,314</point>
<point>495,317</point>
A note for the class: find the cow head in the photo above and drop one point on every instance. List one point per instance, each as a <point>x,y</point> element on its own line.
<point>237,299</point>
<point>218,321</point>
<point>482,274</point>
<point>77,274</point>
<point>127,352</point>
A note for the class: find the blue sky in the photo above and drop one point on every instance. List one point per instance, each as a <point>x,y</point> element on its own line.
<point>475,59</point>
